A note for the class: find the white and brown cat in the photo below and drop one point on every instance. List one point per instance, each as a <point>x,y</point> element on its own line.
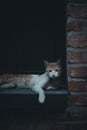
<point>35,82</point>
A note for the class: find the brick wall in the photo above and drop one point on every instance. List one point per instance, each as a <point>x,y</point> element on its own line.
<point>77,59</point>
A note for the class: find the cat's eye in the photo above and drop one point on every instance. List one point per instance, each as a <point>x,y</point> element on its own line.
<point>56,70</point>
<point>50,70</point>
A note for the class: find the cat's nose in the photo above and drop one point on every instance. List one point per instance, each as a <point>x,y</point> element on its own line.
<point>53,76</point>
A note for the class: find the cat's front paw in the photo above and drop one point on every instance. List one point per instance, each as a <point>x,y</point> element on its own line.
<point>41,98</point>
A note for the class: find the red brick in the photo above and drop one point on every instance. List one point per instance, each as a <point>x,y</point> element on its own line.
<point>77,85</point>
<point>77,26</point>
<point>78,99</point>
<point>76,57</point>
<point>77,11</point>
<point>77,113</point>
<point>77,40</point>
<point>77,71</point>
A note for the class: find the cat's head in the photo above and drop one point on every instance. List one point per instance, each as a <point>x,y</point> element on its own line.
<point>53,69</point>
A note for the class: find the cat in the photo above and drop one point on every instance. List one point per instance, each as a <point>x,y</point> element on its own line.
<point>37,83</point>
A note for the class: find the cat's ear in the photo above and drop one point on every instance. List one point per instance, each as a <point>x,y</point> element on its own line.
<point>58,61</point>
<point>46,63</point>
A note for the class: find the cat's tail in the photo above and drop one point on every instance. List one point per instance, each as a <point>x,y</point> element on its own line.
<point>10,84</point>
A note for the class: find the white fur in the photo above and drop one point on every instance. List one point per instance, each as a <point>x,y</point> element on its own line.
<point>53,73</point>
<point>36,84</point>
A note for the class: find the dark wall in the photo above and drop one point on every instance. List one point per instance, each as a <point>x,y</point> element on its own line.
<point>42,36</point>
<point>25,43</point>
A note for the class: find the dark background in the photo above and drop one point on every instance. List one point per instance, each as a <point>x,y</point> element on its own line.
<point>29,40</point>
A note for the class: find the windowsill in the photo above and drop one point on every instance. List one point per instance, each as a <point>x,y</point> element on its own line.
<point>28,91</point>
<point>26,99</point>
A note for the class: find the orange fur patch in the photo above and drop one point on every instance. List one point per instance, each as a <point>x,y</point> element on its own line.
<point>53,66</point>
<point>11,77</point>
